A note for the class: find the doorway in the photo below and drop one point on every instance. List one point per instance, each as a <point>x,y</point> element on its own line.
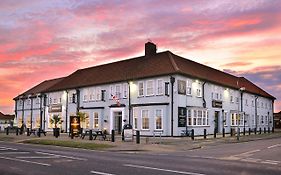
<point>217,113</point>
<point>117,126</point>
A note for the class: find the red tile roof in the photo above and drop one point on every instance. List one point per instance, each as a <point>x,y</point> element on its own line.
<point>43,86</point>
<point>163,63</point>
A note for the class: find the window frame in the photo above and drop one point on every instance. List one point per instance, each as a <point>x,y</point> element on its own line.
<point>145,117</point>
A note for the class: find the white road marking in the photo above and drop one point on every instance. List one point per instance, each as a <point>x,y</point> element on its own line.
<point>69,157</point>
<point>160,169</point>
<point>5,153</point>
<point>273,146</point>
<point>101,173</point>
<point>250,160</point>
<point>38,157</point>
<point>269,162</point>
<point>247,154</point>
<point>26,161</point>
<point>7,148</point>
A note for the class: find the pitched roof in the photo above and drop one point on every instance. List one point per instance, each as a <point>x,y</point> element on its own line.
<point>6,117</point>
<point>163,63</point>
<point>41,87</point>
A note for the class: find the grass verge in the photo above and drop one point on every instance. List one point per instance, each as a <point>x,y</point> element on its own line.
<point>66,143</point>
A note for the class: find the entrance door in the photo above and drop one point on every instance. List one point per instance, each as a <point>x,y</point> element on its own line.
<point>117,122</point>
<point>217,113</point>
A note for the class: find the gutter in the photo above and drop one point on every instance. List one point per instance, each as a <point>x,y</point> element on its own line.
<point>203,94</point>
<point>256,112</point>
<point>66,111</point>
<point>172,80</point>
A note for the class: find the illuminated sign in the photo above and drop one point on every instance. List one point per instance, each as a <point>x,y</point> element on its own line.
<point>55,108</point>
<point>75,125</point>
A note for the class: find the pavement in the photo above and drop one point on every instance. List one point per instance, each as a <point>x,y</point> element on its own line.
<point>152,144</point>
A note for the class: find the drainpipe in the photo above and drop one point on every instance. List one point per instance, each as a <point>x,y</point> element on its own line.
<point>22,111</point>
<point>129,101</point>
<point>31,113</point>
<point>41,111</point>
<point>66,111</point>
<point>172,80</point>
<point>78,99</point>
<point>44,110</point>
<point>256,112</point>
<point>203,94</point>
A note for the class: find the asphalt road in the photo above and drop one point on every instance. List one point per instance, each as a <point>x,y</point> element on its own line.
<point>256,157</point>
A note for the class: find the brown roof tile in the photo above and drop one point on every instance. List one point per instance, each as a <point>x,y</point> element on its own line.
<point>6,117</point>
<point>163,63</point>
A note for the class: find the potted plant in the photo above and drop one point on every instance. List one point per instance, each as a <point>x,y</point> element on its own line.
<point>82,117</point>
<point>56,119</point>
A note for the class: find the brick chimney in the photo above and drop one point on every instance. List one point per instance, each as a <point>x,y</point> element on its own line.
<point>150,49</point>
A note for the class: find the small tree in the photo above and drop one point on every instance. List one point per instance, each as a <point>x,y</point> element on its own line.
<point>56,119</point>
<point>82,117</point>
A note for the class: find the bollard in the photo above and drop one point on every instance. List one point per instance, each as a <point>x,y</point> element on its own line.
<point>231,132</point>
<point>244,131</point>
<point>260,130</point>
<point>39,132</point>
<point>27,132</point>
<point>91,134</point>
<point>264,130</point>
<point>192,134</point>
<point>71,134</point>
<point>112,136</point>
<point>255,130</point>
<point>223,132</point>
<point>123,137</point>
<point>57,132</point>
<point>215,133</point>
<point>17,131</point>
<point>268,129</point>
<point>272,129</point>
<point>7,131</point>
<point>249,131</point>
<point>205,133</point>
<point>138,137</point>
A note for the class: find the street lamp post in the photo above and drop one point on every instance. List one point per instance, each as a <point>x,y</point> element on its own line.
<point>240,112</point>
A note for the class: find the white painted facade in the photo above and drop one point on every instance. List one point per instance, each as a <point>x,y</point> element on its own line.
<point>151,108</point>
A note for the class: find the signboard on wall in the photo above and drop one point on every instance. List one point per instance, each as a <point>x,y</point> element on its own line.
<point>216,104</point>
<point>181,87</point>
<point>55,108</point>
<point>181,117</point>
<point>75,125</point>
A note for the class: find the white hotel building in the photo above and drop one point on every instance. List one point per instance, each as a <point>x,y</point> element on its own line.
<point>158,92</point>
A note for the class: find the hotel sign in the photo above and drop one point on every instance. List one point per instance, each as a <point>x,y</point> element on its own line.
<point>75,125</point>
<point>216,104</point>
<point>55,108</point>
<point>181,117</point>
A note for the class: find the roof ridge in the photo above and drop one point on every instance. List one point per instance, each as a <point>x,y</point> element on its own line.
<point>174,64</point>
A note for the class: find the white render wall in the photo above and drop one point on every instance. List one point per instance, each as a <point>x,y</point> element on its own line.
<point>156,102</point>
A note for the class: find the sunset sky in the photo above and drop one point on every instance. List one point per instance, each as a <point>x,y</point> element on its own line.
<point>42,40</point>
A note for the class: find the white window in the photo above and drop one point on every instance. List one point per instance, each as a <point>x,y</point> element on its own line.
<point>96,120</point>
<point>266,119</point>
<point>125,90</point>
<point>233,119</point>
<point>258,120</point>
<point>198,117</point>
<point>253,103</point>
<point>261,104</point>
<point>262,120</point>
<point>246,102</point>
<point>189,117</point>
<point>198,93</point>
<point>237,100</point>
<point>149,88</point>
<point>225,118</point>
<point>141,89</point>
<point>135,115</point>
<point>37,100</point>
<point>231,99</point>
<point>28,102</point>
<point>158,119</point>
<point>188,87</point>
<point>159,87</point>
<point>112,92</point>
<point>118,91</point>
<point>85,98</point>
<point>98,92</point>
<point>253,120</point>
<point>145,119</point>
<point>21,102</point>
<point>217,96</point>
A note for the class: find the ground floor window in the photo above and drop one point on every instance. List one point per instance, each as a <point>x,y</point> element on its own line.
<point>158,119</point>
<point>96,120</point>
<point>145,119</point>
<point>19,122</point>
<point>28,122</point>
<point>37,124</point>
<point>197,117</point>
<point>135,116</point>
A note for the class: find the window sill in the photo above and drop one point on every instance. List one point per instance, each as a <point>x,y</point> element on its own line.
<point>198,126</point>
<point>146,130</point>
<point>151,95</point>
